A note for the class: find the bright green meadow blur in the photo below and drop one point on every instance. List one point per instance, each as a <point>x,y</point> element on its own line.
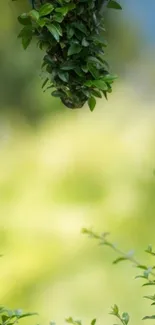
<point>61,170</point>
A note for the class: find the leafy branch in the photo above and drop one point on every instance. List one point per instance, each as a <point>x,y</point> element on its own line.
<point>147,274</point>
<point>9,317</point>
<point>72,35</point>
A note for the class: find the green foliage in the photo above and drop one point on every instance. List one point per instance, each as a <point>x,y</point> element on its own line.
<point>71,33</point>
<point>148,274</point>
<point>9,317</point>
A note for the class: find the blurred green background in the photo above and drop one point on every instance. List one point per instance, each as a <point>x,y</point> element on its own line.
<point>61,170</point>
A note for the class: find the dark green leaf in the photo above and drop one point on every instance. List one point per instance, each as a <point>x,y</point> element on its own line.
<point>54,31</point>
<point>149,317</point>
<point>70,320</point>
<point>114,5</point>
<point>96,93</point>
<point>46,9</point>
<point>93,322</point>
<point>94,72</point>
<point>80,26</point>
<point>94,60</point>
<point>84,68</point>
<point>119,259</point>
<point>143,267</point>
<point>57,93</point>
<point>74,49</point>
<point>58,17</point>
<point>70,31</point>
<point>24,19</point>
<point>71,6</point>
<point>44,83</point>
<point>4,318</point>
<point>26,40</point>
<point>149,284</point>
<point>79,72</point>
<point>150,297</point>
<point>64,76</point>
<point>100,39</point>
<point>91,103</point>
<point>69,65</point>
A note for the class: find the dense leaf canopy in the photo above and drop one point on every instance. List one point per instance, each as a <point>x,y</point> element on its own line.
<point>71,33</point>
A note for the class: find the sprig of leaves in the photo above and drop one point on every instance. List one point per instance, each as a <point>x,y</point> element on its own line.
<point>124,318</point>
<point>11,317</point>
<point>71,33</point>
<point>148,274</point>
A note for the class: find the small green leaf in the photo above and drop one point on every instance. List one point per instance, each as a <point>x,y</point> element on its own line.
<point>65,9</point>
<point>58,17</point>
<point>92,103</point>
<point>119,259</point>
<point>74,49</point>
<point>109,78</point>
<point>85,42</point>
<point>23,315</point>
<point>71,6</point>
<point>114,5</point>
<point>26,39</point>
<point>58,27</point>
<point>140,277</point>
<point>149,250</point>
<point>96,93</point>
<point>84,68</point>
<point>34,14</point>
<point>64,76</point>
<point>125,318</point>
<point>4,318</point>
<point>143,267</point>
<point>100,84</point>
<point>44,83</point>
<point>150,297</point>
<point>41,22</point>
<point>78,71</point>
<point>94,72</point>
<point>68,65</point>
<point>24,19</point>
<point>46,9</point>
<point>149,317</point>
<point>151,283</point>
<point>80,26</point>
<point>115,310</point>
<point>93,322</point>
<point>69,320</point>
<point>57,93</point>
<point>95,60</point>
<point>70,31</point>
<point>62,10</point>
<point>54,31</point>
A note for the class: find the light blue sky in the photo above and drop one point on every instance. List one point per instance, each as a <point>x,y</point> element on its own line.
<point>144,11</point>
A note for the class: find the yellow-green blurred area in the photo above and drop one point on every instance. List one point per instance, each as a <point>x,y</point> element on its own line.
<point>61,170</point>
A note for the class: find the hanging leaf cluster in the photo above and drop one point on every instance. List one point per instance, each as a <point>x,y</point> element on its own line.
<point>71,33</point>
